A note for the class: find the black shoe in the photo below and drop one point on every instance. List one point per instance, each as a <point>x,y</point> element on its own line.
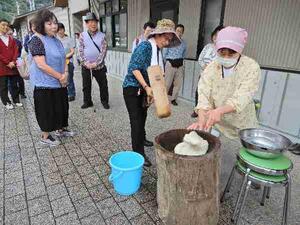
<point>174,102</point>
<point>194,115</point>
<point>87,105</point>
<point>105,105</point>
<point>148,143</point>
<point>23,96</point>
<point>295,149</point>
<point>147,162</point>
<point>71,98</point>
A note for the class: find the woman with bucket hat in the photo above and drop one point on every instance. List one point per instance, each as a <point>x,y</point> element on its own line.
<point>227,87</point>
<point>136,87</point>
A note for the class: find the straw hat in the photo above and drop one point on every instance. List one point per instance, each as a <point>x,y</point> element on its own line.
<point>166,26</point>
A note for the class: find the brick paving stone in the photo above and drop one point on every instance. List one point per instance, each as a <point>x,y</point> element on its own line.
<point>31,168</point>
<point>38,205</point>
<point>75,152</point>
<point>1,216</point>
<point>13,166</point>
<point>1,200</point>
<point>62,206</point>
<point>43,219</point>
<point>143,195</point>
<point>106,182</point>
<point>91,180</point>
<point>57,191</point>
<point>94,219</point>
<point>33,178</point>
<point>131,208</point>
<point>90,152</point>
<point>68,219</point>
<point>108,208</point>
<point>118,219</point>
<point>99,193</point>
<point>62,160</point>
<point>84,170</point>
<point>142,220</point>
<point>20,217</point>
<point>58,151</point>
<point>15,176</point>
<point>49,167</point>
<point>52,179</point>
<point>29,158</point>
<point>14,189</point>
<point>66,169</point>
<point>72,180</point>
<point>78,192</point>
<point>79,160</point>
<point>14,204</point>
<point>102,169</point>
<point>119,198</point>
<point>95,160</point>
<point>85,207</point>
<point>35,190</point>
<point>151,208</point>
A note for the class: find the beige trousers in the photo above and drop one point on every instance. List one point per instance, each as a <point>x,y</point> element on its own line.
<point>175,76</point>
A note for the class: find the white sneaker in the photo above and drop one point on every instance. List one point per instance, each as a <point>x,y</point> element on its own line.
<point>65,133</point>
<point>49,141</point>
<point>9,106</point>
<point>19,104</point>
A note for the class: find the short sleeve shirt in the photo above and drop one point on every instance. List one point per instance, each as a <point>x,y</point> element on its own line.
<point>67,42</point>
<point>140,60</point>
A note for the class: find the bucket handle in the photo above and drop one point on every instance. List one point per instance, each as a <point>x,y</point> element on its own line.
<point>111,177</point>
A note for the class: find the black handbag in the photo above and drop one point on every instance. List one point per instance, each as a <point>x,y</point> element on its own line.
<point>176,62</point>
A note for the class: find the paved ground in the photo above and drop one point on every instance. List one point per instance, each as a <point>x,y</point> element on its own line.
<point>68,184</point>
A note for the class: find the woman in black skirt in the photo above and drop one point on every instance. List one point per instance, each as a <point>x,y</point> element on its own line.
<point>48,75</point>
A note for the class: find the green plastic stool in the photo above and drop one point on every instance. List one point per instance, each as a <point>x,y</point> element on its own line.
<point>266,172</point>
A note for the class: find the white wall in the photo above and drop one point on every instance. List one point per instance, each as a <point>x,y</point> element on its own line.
<point>78,6</point>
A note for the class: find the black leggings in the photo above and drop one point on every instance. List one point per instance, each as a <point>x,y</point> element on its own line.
<point>4,89</point>
<point>137,116</point>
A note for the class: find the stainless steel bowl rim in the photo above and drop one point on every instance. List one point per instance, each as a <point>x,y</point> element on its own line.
<point>286,142</point>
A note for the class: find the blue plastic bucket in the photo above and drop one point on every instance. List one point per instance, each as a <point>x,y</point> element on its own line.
<point>126,172</point>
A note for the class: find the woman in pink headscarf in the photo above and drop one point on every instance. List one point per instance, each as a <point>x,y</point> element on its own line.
<point>227,87</point>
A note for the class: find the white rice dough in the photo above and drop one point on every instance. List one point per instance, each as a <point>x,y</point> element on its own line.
<point>192,145</point>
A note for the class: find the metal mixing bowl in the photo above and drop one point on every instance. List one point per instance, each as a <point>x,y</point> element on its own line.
<point>264,143</point>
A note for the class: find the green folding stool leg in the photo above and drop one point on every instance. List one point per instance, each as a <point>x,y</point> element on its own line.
<point>266,172</point>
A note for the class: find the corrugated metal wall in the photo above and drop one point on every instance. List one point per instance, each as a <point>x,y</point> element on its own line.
<point>138,13</point>
<point>274,30</point>
<point>189,16</point>
<point>63,17</point>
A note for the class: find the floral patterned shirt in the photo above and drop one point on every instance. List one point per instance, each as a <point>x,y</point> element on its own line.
<point>236,90</point>
<point>140,60</point>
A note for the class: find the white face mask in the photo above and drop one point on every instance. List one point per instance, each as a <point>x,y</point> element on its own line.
<point>230,62</point>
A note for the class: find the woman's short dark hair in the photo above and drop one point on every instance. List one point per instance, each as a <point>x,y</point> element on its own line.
<point>179,25</point>
<point>41,18</point>
<point>60,26</point>
<point>216,30</point>
<point>3,20</point>
<point>149,24</point>
<point>31,23</point>
<point>229,50</point>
